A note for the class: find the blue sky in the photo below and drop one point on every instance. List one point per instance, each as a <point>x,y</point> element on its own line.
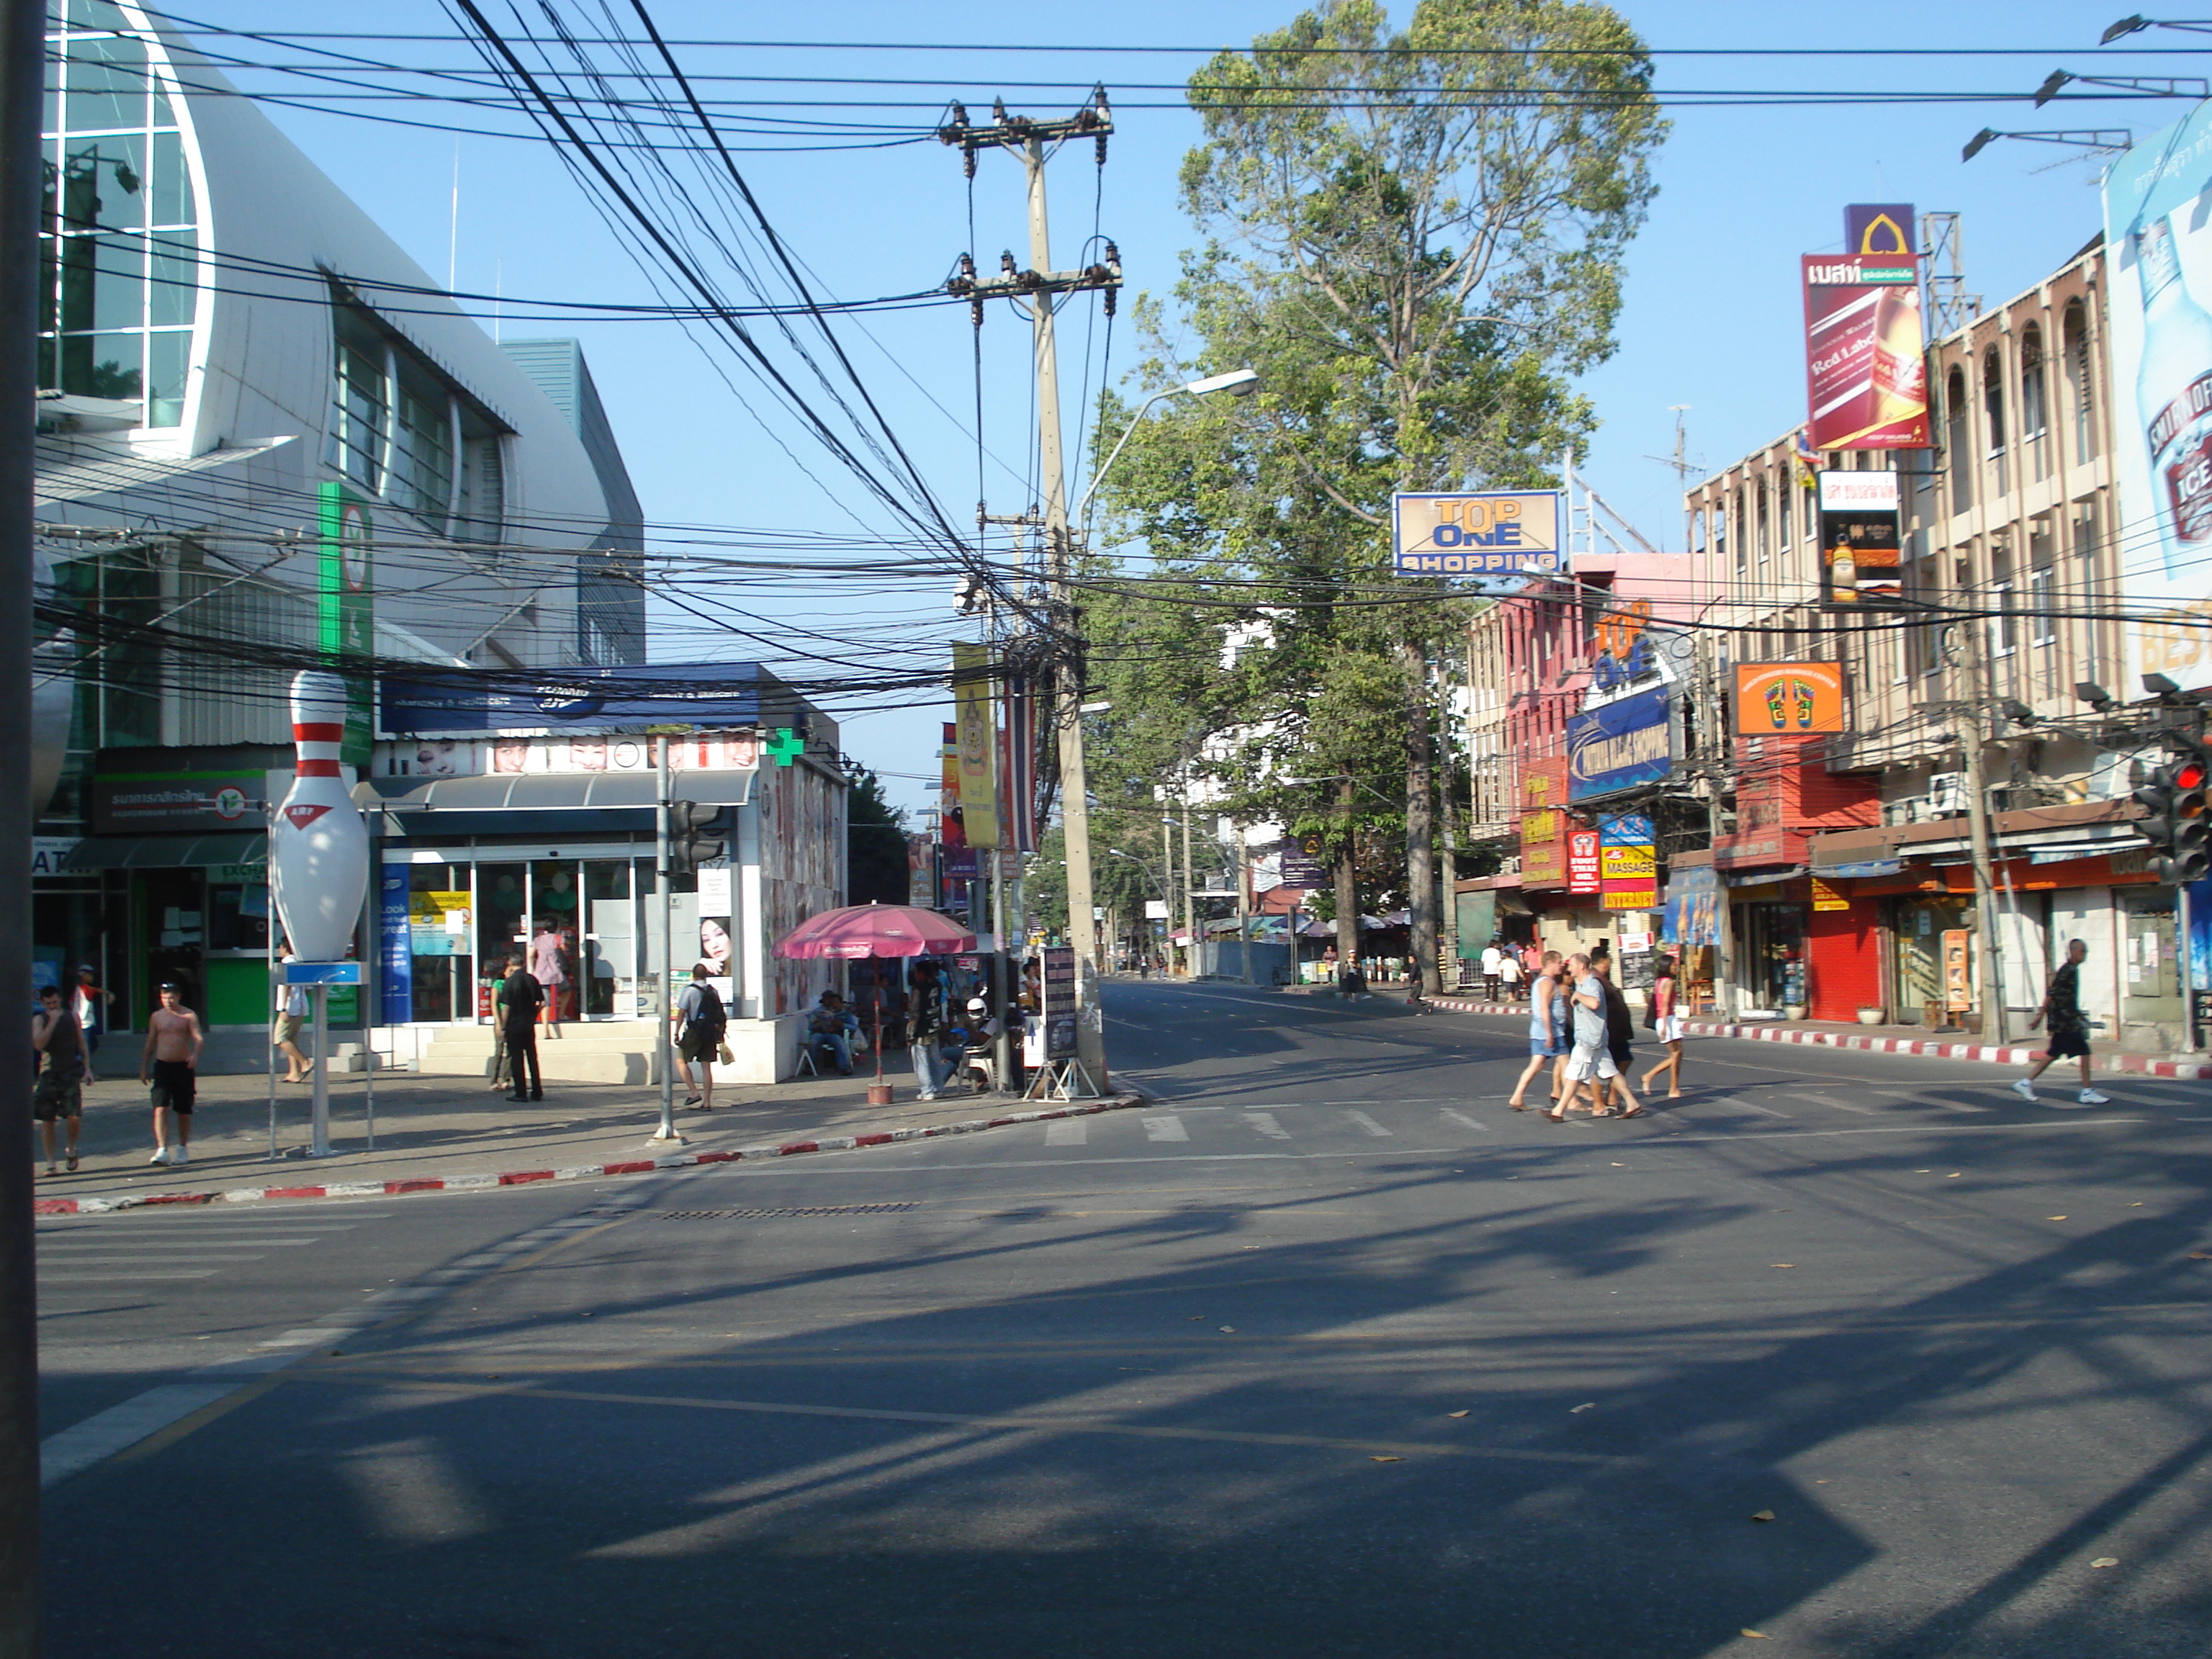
<point>1712,311</point>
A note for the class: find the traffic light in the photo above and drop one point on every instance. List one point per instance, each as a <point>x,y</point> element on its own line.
<point>694,836</point>
<point>2174,821</point>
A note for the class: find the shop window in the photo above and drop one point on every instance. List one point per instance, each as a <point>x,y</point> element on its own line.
<point>2033,414</point>
<point>1958,446</point>
<point>1993,415</point>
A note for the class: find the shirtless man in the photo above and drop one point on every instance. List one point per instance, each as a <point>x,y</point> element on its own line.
<point>170,1066</point>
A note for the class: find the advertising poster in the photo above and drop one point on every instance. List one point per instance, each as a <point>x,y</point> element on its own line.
<point>1691,914</point>
<point>1056,983</point>
<point>345,617</point>
<point>976,743</point>
<point>1795,699</point>
<point>1860,539</point>
<point>1620,744</point>
<point>1511,533</point>
<point>1585,866</point>
<point>1628,862</point>
<point>2158,240</point>
<point>1866,379</point>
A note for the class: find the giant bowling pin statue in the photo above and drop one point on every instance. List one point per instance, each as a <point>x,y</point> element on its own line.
<point>317,845</point>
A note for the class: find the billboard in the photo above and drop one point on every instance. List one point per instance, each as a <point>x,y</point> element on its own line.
<point>1499,533</point>
<point>1628,859</point>
<point>1788,699</point>
<point>1585,869</point>
<point>1878,228</point>
<point>2156,234</point>
<point>1620,744</point>
<point>1861,560</point>
<point>977,742</point>
<point>465,702</point>
<point>1866,379</point>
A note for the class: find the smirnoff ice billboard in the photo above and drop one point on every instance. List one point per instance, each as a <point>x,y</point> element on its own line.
<point>2158,246</point>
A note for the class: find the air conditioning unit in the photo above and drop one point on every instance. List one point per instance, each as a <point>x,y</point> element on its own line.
<point>1947,794</point>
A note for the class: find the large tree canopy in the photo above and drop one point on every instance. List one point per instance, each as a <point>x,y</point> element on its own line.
<point>1416,238</point>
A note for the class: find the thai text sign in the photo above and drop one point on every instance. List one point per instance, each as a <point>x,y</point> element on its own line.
<point>1582,861</point>
<point>1865,377</point>
<point>1504,533</point>
<point>977,743</point>
<point>1619,745</point>
<point>1782,699</point>
<point>1628,859</point>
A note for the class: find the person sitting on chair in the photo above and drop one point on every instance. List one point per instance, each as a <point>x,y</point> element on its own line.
<point>831,1031</point>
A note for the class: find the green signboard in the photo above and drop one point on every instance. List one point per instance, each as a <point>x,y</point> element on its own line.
<point>346,613</point>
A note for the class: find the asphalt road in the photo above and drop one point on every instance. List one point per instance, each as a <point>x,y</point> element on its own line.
<point>1327,1352</point>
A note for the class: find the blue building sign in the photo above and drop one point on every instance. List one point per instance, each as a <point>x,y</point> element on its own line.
<point>489,702</point>
<point>1620,745</point>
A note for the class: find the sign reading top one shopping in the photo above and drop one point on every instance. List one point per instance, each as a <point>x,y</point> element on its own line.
<point>1500,535</point>
<point>2156,233</point>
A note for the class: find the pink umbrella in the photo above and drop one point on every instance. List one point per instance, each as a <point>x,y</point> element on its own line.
<point>859,930</point>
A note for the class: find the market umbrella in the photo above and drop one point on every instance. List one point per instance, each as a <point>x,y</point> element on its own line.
<point>860,931</point>
<point>874,930</point>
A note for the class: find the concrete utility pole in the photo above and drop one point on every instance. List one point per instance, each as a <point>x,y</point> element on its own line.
<point>1989,973</point>
<point>1037,285</point>
<point>1189,880</point>
<point>23,60</point>
<point>665,1042</point>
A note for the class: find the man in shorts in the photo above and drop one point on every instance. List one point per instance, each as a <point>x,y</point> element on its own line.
<point>1590,1060</point>
<point>58,1095</point>
<point>2069,1025</point>
<point>170,1065</point>
<point>700,1020</point>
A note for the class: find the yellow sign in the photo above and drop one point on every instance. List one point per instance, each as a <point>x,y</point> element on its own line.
<point>971,709</point>
<point>1629,864</point>
<point>429,908</point>
<point>1827,897</point>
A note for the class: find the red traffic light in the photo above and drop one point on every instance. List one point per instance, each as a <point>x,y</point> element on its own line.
<point>2189,775</point>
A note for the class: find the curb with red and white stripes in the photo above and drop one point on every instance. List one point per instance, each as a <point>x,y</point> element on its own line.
<point>580,1172</point>
<point>1989,1054</point>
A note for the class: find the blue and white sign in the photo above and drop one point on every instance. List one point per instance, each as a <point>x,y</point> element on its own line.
<point>1620,745</point>
<point>488,702</point>
<point>1500,534</point>
<point>322,973</point>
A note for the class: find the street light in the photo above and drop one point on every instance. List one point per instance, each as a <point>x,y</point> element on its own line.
<point>1238,383</point>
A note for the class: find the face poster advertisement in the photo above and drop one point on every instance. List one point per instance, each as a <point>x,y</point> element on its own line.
<point>2159,242</point>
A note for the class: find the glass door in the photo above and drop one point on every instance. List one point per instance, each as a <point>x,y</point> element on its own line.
<point>2150,986</point>
<point>607,961</point>
<point>441,911</point>
<point>557,932</point>
<point>502,926</point>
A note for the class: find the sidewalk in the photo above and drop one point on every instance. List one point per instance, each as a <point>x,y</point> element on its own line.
<point>446,1133</point>
<point>1884,1039</point>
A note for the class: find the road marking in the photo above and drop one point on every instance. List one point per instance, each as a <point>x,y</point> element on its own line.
<point>1754,1106</point>
<point>1840,1105</point>
<point>1068,1131</point>
<point>1266,1124</point>
<point>60,1270</point>
<point>1367,1123</point>
<point>1165,1128</point>
<point>1462,1118</point>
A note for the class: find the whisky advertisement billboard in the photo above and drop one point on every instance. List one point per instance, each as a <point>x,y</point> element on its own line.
<point>2158,241</point>
<point>1866,379</point>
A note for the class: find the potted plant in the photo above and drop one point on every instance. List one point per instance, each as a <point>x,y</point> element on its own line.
<point>1872,1016</point>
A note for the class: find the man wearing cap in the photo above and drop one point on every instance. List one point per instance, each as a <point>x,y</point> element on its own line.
<point>170,1065</point>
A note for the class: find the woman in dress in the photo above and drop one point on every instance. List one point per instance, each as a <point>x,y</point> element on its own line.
<point>549,968</point>
<point>1667,1021</point>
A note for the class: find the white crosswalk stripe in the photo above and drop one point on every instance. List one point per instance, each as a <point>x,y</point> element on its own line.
<point>1369,1124</point>
<point>1165,1128</point>
<point>1265,1123</point>
<point>1068,1131</point>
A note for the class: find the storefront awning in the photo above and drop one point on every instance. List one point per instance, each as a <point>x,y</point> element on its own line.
<point>167,852</point>
<point>549,792</point>
<point>1863,869</point>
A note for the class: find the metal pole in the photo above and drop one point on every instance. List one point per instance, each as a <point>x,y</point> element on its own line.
<point>319,1142</point>
<point>371,964</point>
<point>22,55</point>
<point>1243,910</point>
<point>1990,975</point>
<point>664,1040</point>
<point>1002,1002</point>
<point>1074,784</point>
<point>1189,881</point>
<point>276,1003</point>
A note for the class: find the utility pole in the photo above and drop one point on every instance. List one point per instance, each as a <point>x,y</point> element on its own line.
<point>1990,970</point>
<point>1029,140</point>
<point>664,1040</point>
<point>1189,880</point>
<point>23,60</point>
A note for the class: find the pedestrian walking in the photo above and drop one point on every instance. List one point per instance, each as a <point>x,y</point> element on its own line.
<point>1664,1017</point>
<point>1509,974</point>
<point>1548,1031</point>
<point>926,1023</point>
<point>695,1027</point>
<point>284,1030</point>
<point>91,1005</point>
<point>1493,964</point>
<point>1591,1061</point>
<point>2069,1026</point>
<point>57,1040</point>
<point>169,1066</point>
<point>1619,1025</point>
<point>521,993</point>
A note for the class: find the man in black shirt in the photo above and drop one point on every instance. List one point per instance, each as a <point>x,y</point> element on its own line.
<point>519,995</point>
<point>58,1094</point>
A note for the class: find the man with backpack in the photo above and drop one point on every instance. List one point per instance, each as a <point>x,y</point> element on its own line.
<point>696,1025</point>
<point>520,996</point>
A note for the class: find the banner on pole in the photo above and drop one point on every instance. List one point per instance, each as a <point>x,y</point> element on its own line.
<point>978,744</point>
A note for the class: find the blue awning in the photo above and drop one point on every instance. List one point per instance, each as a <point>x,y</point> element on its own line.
<point>1863,867</point>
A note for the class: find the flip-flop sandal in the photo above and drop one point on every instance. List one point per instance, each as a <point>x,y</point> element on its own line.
<point>72,1163</point>
<point>1639,1112</point>
<point>1518,1106</point>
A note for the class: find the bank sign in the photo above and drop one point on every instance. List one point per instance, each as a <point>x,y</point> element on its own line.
<point>1512,533</point>
<point>1620,745</point>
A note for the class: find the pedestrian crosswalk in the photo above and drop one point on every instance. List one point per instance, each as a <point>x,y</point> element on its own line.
<point>102,1253</point>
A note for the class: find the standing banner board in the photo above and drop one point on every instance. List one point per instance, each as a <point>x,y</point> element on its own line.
<point>1057,1012</point>
<point>1788,699</point>
<point>977,743</point>
<point>1866,379</point>
<point>1861,539</point>
<point>2158,246</point>
<point>1501,533</point>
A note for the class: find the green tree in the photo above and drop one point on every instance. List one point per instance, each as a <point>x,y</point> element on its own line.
<point>1416,237</point>
<point>875,844</point>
